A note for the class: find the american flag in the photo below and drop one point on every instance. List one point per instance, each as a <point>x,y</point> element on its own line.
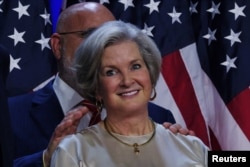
<point>25,31</point>
<point>205,77</point>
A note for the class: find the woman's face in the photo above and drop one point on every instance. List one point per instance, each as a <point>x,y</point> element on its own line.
<point>124,78</point>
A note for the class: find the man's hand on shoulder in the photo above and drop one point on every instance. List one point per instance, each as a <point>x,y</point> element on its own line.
<point>177,128</point>
<point>67,126</point>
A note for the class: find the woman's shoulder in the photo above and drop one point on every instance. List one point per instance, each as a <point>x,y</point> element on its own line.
<point>180,145</point>
<point>70,141</point>
<point>188,140</point>
<point>79,138</point>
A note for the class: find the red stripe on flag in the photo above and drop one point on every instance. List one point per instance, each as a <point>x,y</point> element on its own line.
<point>239,108</point>
<point>179,83</point>
<point>214,142</point>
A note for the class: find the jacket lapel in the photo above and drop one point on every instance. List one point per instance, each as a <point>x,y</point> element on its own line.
<point>46,110</point>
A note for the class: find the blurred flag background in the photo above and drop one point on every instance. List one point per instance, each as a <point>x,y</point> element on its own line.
<point>205,47</point>
<point>25,31</point>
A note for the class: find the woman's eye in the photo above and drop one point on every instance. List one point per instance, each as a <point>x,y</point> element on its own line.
<point>110,72</point>
<point>136,66</point>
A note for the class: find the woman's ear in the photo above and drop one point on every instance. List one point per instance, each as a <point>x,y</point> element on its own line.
<point>56,45</point>
<point>98,95</point>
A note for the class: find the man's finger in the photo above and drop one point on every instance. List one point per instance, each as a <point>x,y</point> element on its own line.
<point>167,124</point>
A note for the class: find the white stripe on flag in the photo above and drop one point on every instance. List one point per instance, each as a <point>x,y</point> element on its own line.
<point>165,99</point>
<point>214,111</point>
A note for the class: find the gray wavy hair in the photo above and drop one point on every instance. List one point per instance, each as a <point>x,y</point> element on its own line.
<point>89,54</point>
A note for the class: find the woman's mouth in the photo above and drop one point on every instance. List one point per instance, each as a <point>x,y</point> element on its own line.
<point>130,93</point>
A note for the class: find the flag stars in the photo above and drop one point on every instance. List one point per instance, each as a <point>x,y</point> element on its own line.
<point>193,7</point>
<point>44,42</point>
<point>46,17</point>
<point>21,10</point>
<point>1,4</point>
<point>233,37</point>
<point>127,3</point>
<point>17,37</point>
<point>214,9</point>
<point>175,16</point>
<point>14,63</point>
<point>237,11</point>
<point>104,1</point>
<point>148,30</point>
<point>210,36</point>
<point>153,6</point>
<point>229,63</point>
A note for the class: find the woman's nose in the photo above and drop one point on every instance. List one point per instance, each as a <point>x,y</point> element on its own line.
<point>127,79</point>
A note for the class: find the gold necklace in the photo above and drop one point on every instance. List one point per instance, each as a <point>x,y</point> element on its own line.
<point>135,145</point>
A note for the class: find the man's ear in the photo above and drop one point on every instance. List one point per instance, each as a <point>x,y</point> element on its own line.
<point>56,44</point>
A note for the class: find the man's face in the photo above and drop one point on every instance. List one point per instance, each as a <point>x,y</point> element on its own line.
<point>71,36</point>
<point>78,23</point>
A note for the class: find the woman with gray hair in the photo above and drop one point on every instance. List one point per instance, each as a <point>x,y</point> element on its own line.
<point>117,68</point>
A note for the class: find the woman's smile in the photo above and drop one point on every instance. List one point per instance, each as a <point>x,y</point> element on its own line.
<point>129,93</point>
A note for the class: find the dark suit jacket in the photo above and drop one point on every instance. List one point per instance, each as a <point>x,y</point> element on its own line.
<point>6,151</point>
<point>34,117</point>
<point>159,114</point>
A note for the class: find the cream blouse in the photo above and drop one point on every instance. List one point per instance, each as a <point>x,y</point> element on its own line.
<point>94,147</point>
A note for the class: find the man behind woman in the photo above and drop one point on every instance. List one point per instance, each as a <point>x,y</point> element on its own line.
<point>117,68</point>
<point>42,118</point>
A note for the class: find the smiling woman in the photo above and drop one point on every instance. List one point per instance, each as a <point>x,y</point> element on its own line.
<point>117,67</point>
<point>89,66</point>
